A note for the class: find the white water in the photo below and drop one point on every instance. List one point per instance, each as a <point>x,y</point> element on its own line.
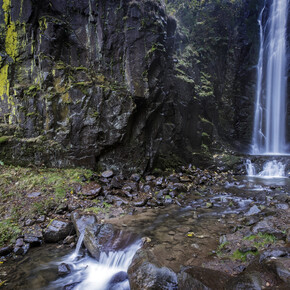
<point>271,169</point>
<point>269,132</point>
<point>91,274</point>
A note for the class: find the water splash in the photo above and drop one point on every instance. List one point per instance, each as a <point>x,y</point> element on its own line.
<point>250,168</point>
<point>271,169</point>
<point>269,132</point>
<point>90,274</point>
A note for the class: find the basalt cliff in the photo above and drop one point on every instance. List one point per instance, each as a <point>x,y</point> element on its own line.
<point>126,85</point>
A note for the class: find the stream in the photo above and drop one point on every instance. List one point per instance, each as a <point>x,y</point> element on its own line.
<point>186,235</point>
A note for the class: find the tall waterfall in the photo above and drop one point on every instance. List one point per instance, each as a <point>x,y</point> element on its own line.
<point>269,134</point>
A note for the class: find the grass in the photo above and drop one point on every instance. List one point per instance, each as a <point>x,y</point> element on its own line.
<point>16,182</point>
<point>9,231</point>
<point>104,208</point>
<point>237,255</point>
<point>261,240</point>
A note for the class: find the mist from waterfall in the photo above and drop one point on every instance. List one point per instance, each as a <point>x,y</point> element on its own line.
<point>269,132</point>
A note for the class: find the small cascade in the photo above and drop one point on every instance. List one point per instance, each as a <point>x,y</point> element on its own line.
<point>90,274</point>
<point>78,247</point>
<point>271,169</point>
<point>251,170</point>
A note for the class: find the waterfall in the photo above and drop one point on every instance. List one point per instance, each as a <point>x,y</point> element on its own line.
<point>269,132</point>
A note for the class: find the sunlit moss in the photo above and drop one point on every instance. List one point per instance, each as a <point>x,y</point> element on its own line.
<point>11,41</point>
<point>4,82</point>
<point>6,8</point>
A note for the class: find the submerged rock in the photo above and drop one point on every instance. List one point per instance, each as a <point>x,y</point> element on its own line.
<point>118,278</point>
<point>64,269</point>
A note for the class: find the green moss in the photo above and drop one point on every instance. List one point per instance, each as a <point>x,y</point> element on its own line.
<point>4,82</point>
<point>6,8</point>
<point>238,255</point>
<point>9,230</point>
<point>4,139</point>
<point>261,239</point>
<point>11,41</point>
<point>32,90</point>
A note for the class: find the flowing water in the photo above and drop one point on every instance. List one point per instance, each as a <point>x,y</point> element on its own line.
<point>271,169</point>
<point>40,269</point>
<point>269,131</point>
<point>269,134</point>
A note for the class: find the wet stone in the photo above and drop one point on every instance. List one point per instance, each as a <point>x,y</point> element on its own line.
<point>61,208</point>
<point>135,177</point>
<point>64,269</point>
<point>118,278</point>
<point>283,206</point>
<point>253,210</point>
<point>21,250</point>
<point>41,219</point>
<point>71,286</point>
<point>35,231</point>
<point>117,182</point>
<point>168,201</point>
<point>29,222</point>
<point>58,230</point>
<point>69,240</point>
<point>141,203</point>
<point>107,174</point>
<point>93,192</point>
<point>6,250</point>
<point>19,242</point>
<point>33,241</point>
<point>150,178</point>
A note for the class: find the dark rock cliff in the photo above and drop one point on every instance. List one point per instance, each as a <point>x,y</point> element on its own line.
<point>122,84</point>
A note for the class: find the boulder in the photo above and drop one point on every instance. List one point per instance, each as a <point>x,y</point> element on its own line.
<point>100,237</point>
<point>57,231</point>
<point>201,278</point>
<point>146,273</point>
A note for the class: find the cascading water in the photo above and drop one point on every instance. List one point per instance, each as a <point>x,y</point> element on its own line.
<point>109,272</point>
<point>269,132</point>
<point>271,169</point>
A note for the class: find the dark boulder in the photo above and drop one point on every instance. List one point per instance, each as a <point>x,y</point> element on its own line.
<point>146,273</point>
<point>201,279</point>
<point>57,231</point>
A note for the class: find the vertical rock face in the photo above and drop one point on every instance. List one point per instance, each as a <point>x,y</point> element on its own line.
<point>91,82</point>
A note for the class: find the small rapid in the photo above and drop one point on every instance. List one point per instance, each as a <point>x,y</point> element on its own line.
<point>109,272</point>
<point>271,169</point>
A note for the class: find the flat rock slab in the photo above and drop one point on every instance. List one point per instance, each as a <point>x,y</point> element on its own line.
<point>57,231</point>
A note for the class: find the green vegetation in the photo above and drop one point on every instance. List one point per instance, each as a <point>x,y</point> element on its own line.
<point>261,240</point>
<point>4,139</point>
<point>99,208</point>
<point>238,255</point>
<point>9,230</point>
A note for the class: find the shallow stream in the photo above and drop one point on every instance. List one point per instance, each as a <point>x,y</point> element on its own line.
<point>186,235</point>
